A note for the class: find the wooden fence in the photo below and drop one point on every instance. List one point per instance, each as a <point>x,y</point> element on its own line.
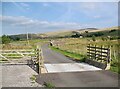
<point>37,62</point>
<point>99,56</point>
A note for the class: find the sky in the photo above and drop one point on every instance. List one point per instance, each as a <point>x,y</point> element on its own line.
<point>41,17</point>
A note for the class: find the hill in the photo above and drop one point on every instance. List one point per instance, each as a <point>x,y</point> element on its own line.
<point>87,32</point>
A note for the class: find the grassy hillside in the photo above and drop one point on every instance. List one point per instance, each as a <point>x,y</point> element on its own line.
<point>113,32</point>
<point>69,33</point>
<point>59,34</point>
<point>103,29</point>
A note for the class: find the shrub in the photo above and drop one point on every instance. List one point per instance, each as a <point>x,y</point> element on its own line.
<point>114,38</point>
<point>14,38</point>
<point>104,38</point>
<point>48,85</point>
<point>77,35</point>
<point>33,78</point>
<point>93,38</point>
<point>5,39</point>
<point>113,30</point>
<point>98,34</point>
<point>86,31</point>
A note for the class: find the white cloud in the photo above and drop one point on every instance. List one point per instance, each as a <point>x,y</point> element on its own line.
<point>14,20</point>
<point>45,4</point>
<point>89,5</point>
<point>22,21</point>
<point>97,16</point>
<point>24,4</point>
<point>99,9</point>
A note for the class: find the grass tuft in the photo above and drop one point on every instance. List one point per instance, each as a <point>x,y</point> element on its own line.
<point>48,85</point>
<point>33,78</point>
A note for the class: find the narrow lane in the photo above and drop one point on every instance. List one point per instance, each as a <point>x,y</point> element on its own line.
<point>51,56</point>
<point>56,62</point>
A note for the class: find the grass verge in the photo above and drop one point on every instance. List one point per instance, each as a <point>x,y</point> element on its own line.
<point>77,57</point>
<point>115,69</point>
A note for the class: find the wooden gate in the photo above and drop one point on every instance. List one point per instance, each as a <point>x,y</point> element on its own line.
<point>37,62</point>
<point>98,56</point>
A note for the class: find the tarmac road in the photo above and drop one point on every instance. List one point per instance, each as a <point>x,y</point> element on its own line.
<point>100,78</point>
<point>51,56</point>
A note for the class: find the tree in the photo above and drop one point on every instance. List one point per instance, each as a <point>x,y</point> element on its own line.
<point>103,38</point>
<point>76,35</point>
<point>93,38</point>
<point>5,39</point>
<point>113,30</point>
<point>14,38</point>
<point>98,34</point>
<point>17,39</point>
<point>86,31</point>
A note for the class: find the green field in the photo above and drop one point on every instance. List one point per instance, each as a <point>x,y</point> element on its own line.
<point>76,48</point>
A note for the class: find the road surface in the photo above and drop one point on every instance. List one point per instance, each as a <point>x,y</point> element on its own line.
<point>51,56</point>
<point>17,76</point>
<point>95,78</point>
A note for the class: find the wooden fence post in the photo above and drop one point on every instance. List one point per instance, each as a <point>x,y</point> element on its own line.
<point>41,61</point>
<point>101,53</point>
<point>89,51</point>
<point>95,52</point>
<point>108,59</point>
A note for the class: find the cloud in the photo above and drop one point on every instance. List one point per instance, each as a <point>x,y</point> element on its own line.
<point>13,20</point>
<point>97,10</point>
<point>45,4</point>
<point>97,16</point>
<point>23,22</point>
<point>24,4</point>
<point>89,6</point>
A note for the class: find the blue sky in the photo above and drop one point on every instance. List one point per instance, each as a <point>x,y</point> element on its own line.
<point>40,17</point>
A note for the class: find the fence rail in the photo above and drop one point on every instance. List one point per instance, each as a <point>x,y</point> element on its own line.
<point>8,54</point>
<point>36,62</point>
<point>18,50</point>
<point>99,55</point>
